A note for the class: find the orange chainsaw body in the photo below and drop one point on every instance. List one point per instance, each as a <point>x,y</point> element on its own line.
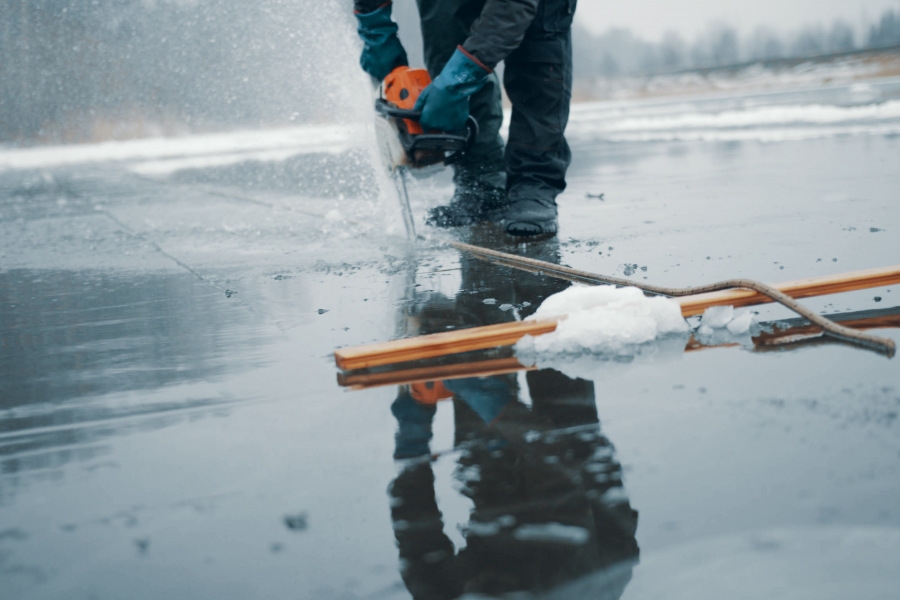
<point>414,147</point>
<point>402,88</point>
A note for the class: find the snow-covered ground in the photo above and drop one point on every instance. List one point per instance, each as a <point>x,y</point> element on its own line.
<point>162,156</point>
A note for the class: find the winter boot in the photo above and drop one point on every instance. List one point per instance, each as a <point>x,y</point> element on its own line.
<point>530,217</point>
<point>477,198</point>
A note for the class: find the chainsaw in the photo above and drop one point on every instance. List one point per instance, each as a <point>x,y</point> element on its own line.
<point>404,143</point>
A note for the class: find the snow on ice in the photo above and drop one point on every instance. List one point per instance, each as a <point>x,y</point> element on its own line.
<point>604,319</point>
<point>723,317</point>
<point>604,323</point>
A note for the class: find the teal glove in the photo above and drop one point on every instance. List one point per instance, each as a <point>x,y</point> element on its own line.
<point>445,103</point>
<point>382,50</point>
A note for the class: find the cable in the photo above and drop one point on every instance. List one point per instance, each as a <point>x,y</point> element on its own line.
<point>878,344</point>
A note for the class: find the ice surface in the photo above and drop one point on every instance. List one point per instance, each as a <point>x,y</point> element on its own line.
<point>713,443</point>
<point>604,319</point>
<point>796,563</point>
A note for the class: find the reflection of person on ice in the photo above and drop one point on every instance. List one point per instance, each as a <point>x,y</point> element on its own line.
<point>464,40</point>
<point>549,508</point>
<point>548,505</point>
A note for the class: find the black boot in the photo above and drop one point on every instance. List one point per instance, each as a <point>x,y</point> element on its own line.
<point>477,198</point>
<point>530,217</point>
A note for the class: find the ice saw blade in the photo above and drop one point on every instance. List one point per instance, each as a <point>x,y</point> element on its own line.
<point>390,149</point>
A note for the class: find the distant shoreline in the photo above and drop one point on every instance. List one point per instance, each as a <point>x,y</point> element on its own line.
<point>774,74</point>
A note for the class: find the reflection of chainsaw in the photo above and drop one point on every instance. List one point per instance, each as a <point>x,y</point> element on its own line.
<point>429,392</point>
<point>403,141</point>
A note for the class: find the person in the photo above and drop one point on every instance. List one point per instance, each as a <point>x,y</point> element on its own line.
<point>464,40</point>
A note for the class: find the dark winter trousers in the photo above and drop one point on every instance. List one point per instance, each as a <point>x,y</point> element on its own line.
<point>538,81</point>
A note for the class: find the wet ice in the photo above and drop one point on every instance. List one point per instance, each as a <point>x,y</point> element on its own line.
<point>220,416</point>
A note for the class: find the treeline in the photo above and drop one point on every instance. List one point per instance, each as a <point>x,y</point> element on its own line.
<point>73,70</point>
<point>620,52</point>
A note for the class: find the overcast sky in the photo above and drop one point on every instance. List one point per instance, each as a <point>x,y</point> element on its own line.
<point>649,19</point>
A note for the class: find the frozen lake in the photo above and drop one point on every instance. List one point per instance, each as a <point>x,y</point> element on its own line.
<point>171,425</point>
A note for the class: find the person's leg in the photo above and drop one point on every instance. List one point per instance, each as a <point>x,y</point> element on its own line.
<point>480,177</point>
<point>538,81</point>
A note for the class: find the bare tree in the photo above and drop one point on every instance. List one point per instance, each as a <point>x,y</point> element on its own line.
<point>763,44</point>
<point>887,32</point>
<point>840,38</point>
<point>673,52</point>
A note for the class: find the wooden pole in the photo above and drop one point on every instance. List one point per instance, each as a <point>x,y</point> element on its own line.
<point>800,288</point>
<point>505,334</point>
<point>484,368</point>
<point>439,344</point>
<point>772,337</point>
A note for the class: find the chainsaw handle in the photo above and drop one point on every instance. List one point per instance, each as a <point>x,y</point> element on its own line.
<point>389,110</point>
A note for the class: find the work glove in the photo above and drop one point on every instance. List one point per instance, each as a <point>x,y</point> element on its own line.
<point>445,103</point>
<point>382,50</point>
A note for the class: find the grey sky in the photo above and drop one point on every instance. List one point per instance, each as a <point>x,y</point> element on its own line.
<point>651,18</point>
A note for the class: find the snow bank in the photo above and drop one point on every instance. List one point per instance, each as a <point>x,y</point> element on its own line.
<point>804,114</point>
<point>160,156</point>
<point>736,119</point>
<point>603,320</point>
<point>606,325</point>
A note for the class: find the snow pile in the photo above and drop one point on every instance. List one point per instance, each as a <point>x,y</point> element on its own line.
<point>722,325</point>
<point>603,320</point>
<point>722,317</point>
